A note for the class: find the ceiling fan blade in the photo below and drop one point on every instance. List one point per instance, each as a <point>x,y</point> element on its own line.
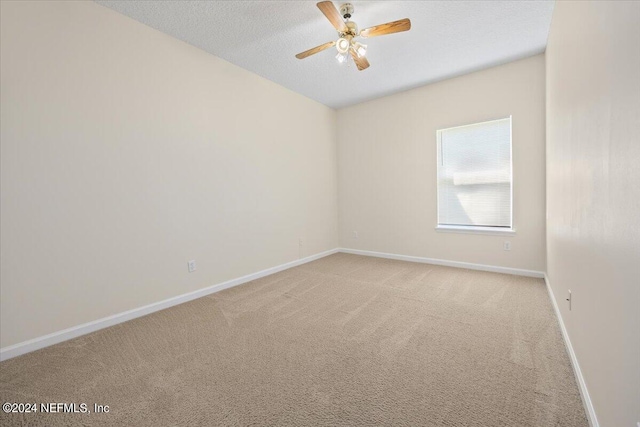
<point>361,62</point>
<point>315,50</point>
<point>332,15</point>
<point>388,28</point>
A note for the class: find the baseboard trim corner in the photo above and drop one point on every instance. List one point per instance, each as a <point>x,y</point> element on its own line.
<point>447,263</point>
<point>582,385</point>
<point>38,343</point>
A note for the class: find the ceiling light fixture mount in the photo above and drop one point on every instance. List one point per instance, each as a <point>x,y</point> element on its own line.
<point>348,31</point>
<point>346,10</point>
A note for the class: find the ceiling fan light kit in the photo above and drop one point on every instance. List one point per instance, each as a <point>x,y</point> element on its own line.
<point>343,45</point>
<point>361,49</point>
<point>348,31</point>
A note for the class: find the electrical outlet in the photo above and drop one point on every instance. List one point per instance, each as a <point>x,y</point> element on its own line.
<point>355,234</point>
<point>192,265</point>
<point>507,245</point>
<point>569,299</point>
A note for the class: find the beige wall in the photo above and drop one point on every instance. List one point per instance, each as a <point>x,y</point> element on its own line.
<point>387,166</point>
<point>126,153</point>
<point>593,195</point>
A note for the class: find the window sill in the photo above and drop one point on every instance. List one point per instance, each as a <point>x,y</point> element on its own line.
<point>496,231</point>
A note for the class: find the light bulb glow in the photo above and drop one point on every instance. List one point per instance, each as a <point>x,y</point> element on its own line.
<point>342,45</point>
<point>341,57</point>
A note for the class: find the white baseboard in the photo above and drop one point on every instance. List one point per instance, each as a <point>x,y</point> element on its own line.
<point>459,264</point>
<point>582,385</point>
<point>76,331</point>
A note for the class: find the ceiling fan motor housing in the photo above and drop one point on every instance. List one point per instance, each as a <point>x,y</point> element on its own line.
<point>352,28</point>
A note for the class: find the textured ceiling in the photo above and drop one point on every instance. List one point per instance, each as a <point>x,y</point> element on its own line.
<point>447,38</point>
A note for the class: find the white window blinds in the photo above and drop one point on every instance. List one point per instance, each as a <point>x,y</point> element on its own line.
<point>474,175</point>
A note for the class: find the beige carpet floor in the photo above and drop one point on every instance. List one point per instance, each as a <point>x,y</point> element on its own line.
<point>345,340</point>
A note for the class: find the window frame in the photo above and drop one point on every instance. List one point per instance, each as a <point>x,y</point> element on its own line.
<point>474,229</point>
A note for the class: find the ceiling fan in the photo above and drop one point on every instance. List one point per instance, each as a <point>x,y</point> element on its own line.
<point>348,31</point>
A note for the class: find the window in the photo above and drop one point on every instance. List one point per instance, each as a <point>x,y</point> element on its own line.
<point>474,177</point>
